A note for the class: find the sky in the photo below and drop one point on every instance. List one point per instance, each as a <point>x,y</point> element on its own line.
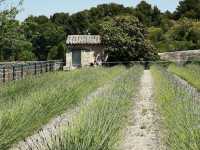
<point>49,7</point>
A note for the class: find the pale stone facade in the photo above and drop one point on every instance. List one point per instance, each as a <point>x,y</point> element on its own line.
<point>181,55</point>
<point>68,59</point>
<point>84,50</point>
<point>87,58</point>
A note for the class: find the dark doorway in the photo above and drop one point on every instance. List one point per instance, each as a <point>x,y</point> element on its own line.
<point>76,58</point>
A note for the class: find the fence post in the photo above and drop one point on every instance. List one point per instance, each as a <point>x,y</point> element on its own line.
<point>35,68</point>
<point>51,68</point>
<point>4,74</point>
<point>13,70</point>
<point>46,65</point>
<point>62,65</point>
<point>22,71</point>
<point>40,67</point>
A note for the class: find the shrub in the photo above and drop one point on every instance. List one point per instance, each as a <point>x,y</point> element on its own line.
<point>179,108</point>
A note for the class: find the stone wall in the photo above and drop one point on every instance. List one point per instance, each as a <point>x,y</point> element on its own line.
<point>181,55</point>
<point>19,70</point>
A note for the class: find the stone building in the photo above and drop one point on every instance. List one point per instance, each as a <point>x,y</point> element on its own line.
<point>84,50</point>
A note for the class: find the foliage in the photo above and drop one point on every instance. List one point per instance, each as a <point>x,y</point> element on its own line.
<point>125,40</point>
<point>99,124</point>
<point>182,35</point>
<point>57,52</point>
<point>12,41</point>
<point>13,44</point>
<point>155,34</point>
<point>28,104</point>
<point>179,108</point>
<point>11,12</point>
<point>189,9</point>
<point>44,35</point>
<point>169,31</point>
<point>190,73</point>
<point>148,15</point>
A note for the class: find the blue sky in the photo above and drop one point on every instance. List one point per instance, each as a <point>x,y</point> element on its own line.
<point>48,7</point>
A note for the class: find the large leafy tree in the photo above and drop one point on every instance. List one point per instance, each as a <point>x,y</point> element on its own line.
<point>13,44</point>
<point>188,8</point>
<point>57,52</point>
<point>88,21</point>
<point>43,34</point>
<point>184,34</point>
<point>125,40</point>
<point>64,20</point>
<point>148,15</point>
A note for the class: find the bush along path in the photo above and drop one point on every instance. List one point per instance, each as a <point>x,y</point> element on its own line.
<point>187,86</point>
<point>99,124</point>
<point>189,73</point>
<point>142,132</point>
<point>180,110</point>
<point>41,139</point>
<point>23,114</point>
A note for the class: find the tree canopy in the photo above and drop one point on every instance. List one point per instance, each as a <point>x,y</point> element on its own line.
<point>189,9</point>
<point>43,38</point>
<point>125,40</point>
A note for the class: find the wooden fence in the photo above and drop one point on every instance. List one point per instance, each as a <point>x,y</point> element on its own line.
<point>17,71</point>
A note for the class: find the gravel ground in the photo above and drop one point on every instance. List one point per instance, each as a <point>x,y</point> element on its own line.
<point>142,132</point>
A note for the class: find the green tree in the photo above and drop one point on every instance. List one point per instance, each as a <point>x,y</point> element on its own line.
<point>43,34</point>
<point>12,40</point>
<point>148,15</point>
<point>189,9</point>
<point>88,21</point>
<point>13,43</point>
<point>184,34</point>
<point>64,20</point>
<point>155,34</point>
<point>125,40</point>
<point>57,52</point>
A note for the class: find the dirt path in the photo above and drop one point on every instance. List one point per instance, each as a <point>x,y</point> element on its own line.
<point>142,132</point>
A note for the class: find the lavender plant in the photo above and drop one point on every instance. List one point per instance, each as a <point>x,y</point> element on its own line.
<point>179,106</point>
<point>28,104</point>
<point>190,73</point>
<point>99,124</point>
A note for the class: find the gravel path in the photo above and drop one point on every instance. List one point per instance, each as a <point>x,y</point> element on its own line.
<point>142,132</point>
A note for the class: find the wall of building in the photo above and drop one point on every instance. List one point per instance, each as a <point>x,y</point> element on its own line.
<point>88,54</point>
<point>87,58</point>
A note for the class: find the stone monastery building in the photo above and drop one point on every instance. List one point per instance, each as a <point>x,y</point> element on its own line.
<point>84,50</point>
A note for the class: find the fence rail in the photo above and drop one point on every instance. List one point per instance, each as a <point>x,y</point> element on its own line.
<point>19,70</point>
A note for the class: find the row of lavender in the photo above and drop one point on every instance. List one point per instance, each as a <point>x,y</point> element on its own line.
<point>19,70</point>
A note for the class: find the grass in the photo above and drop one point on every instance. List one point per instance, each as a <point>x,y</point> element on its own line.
<point>99,125</point>
<point>28,104</point>
<point>180,110</point>
<point>190,73</point>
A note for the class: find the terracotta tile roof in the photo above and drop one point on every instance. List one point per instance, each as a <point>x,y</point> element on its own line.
<point>83,39</point>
